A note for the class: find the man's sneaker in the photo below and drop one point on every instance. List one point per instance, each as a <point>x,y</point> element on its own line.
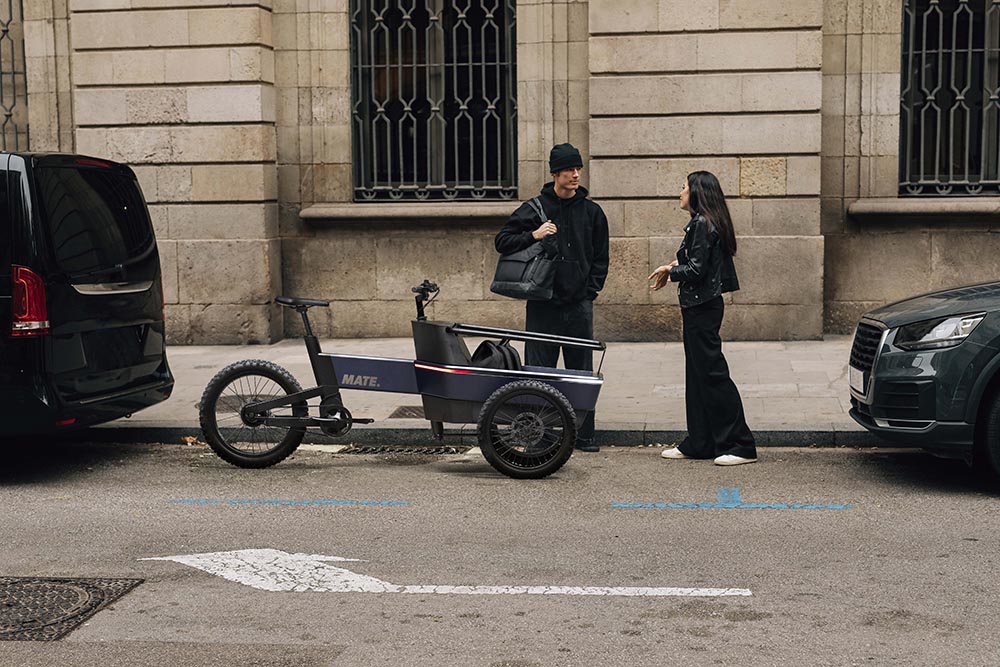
<point>587,447</point>
<point>732,460</point>
<point>673,453</point>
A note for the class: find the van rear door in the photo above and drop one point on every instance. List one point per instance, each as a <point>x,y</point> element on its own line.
<point>102,279</point>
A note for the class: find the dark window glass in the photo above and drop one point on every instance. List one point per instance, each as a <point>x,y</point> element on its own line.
<point>434,98</point>
<point>950,98</point>
<point>97,221</point>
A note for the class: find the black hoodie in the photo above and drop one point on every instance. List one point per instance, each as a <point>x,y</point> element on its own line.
<point>580,246</point>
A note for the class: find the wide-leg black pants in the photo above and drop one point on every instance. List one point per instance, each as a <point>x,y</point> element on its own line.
<point>715,419</point>
<point>575,320</point>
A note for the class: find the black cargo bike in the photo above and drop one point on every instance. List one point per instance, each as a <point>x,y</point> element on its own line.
<point>254,413</point>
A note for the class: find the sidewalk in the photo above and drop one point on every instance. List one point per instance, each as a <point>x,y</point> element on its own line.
<point>794,393</point>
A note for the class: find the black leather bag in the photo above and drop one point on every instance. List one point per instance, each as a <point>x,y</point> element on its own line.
<point>491,354</point>
<point>526,274</point>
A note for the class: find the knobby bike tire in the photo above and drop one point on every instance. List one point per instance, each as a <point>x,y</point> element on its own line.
<point>226,445</point>
<point>512,461</point>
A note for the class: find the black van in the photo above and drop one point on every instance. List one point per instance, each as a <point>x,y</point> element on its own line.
<point>81,299</point>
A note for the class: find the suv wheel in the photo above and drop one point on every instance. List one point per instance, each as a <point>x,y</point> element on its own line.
<point>989,449</point>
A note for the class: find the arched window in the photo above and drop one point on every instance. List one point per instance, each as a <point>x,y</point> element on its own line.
<point>434,99</point>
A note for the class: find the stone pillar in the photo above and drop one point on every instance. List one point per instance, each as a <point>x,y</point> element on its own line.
<point>861,79</point>
<point>185,95</point>
<point>49,100</point>
<point>729,86</point>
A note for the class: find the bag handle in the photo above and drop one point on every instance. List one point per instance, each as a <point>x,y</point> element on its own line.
<point>536,205</point>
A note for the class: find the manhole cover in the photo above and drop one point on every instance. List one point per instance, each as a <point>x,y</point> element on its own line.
<point>408,412</point>
<point>33,609</point>
<point>395,449</point>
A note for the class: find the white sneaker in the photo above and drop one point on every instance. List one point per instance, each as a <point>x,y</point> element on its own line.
<point>732,460</point>
<point>474,455</point>
<point>673,453</point>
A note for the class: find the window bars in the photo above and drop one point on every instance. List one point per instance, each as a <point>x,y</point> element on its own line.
<point>434,99</point>
<point>950,98</point>
<point>13,80</point>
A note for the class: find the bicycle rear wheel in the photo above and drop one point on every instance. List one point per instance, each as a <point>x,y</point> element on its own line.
<point>239,437</point>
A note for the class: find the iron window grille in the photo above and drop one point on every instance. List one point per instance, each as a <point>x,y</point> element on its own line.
<point>13,80</point>
<point>950,98</point>
<point>434,99</point>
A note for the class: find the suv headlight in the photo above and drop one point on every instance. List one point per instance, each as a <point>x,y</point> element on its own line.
<point>936,334</point>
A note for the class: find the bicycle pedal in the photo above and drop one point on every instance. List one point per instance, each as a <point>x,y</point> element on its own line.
<point>362,420</point>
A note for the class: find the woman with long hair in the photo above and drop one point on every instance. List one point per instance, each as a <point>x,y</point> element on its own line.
<point>704,271</point>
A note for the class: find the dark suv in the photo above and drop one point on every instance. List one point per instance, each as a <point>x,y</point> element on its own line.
<point>81,299</point>
<point>925,372</point>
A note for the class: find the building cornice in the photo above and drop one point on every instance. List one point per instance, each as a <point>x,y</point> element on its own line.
<point>925,209</point>
<point>338,214</point>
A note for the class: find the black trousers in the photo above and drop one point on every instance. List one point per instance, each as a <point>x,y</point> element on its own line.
<point>715,419</point>
<point>575,320</point>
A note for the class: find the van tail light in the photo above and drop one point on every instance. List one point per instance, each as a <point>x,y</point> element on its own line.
<point>29,315</point>
<point>91,163</point>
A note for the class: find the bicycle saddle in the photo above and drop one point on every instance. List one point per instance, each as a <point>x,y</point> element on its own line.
<point>293,302</point>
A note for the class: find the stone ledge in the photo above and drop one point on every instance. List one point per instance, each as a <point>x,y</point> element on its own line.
<point>332,215</point>
<point>931,209</point>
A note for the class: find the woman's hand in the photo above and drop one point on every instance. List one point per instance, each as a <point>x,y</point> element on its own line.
<point>661,276</point>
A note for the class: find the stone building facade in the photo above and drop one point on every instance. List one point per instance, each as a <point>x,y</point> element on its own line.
<point>237,115</point>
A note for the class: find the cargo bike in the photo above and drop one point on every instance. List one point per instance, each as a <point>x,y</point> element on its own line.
<point>254,413</point>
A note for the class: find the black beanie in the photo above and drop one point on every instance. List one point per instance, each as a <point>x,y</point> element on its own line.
<point>564,156</point>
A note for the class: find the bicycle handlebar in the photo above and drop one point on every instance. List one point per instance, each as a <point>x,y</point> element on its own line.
<point>424,291</point>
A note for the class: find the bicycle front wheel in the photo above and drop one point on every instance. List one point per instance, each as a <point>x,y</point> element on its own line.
<point>242,439</point>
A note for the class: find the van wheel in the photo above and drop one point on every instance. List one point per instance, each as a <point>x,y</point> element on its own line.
<point>237,436</point>
<point>527,429</point>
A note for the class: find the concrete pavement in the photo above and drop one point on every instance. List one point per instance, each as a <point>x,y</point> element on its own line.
<point>794,393</point>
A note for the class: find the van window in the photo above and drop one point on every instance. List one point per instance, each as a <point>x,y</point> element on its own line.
<point>97,222</point>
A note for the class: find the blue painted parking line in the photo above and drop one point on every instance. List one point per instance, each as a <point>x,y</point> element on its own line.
<point>727,495</point>
<point>270,501</point>
<point>729,498</point>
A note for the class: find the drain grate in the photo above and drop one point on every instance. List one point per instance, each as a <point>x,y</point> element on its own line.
<point>33,609</point>
<point>397,449</point>
<point>408,412</point>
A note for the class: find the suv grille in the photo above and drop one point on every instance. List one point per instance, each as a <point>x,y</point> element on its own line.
<point>865,347</point>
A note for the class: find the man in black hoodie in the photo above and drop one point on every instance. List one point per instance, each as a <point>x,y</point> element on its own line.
<point>575,234</point>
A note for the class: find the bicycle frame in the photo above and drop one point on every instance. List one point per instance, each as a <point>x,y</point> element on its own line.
<point>452,389</point>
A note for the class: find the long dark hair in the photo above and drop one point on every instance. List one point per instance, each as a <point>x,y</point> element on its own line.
<point>706,198</point>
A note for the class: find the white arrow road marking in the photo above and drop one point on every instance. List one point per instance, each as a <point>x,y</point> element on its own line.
<point>274,570</point>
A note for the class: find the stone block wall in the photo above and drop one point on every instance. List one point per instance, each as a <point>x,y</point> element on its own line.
<point>183,91</point>
<point>729,86</point>
<point>870,261</point>
<point>236,117</point>
<point>367,265</point>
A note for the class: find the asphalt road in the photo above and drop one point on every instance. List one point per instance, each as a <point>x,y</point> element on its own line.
<point>892,561</point>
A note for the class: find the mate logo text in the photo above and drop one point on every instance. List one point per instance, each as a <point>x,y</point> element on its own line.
<point>360,380</point>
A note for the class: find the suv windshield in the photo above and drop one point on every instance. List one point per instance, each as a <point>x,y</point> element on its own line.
<point>97,222</point>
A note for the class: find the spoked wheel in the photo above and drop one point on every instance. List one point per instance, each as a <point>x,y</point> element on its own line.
<point>527,429</point>
<point>238,435</point>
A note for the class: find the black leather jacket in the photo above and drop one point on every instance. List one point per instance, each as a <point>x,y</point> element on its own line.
<point>704,269</point>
